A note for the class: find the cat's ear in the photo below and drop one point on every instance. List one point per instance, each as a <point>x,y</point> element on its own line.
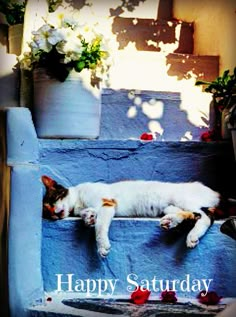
<point>48,182</point>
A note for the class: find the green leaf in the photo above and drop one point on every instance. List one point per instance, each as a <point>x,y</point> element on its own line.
<point>80,66</point>
<point>201,82</point>
<point>225,74</point>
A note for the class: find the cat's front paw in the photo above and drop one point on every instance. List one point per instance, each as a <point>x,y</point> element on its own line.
<point>103,252</point>
<point>192,240</point>
<point>89,216</point>
<point>104,248</point>
<point>170,221</point>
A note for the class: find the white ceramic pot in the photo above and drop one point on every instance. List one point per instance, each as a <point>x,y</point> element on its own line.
<point>69,109</point>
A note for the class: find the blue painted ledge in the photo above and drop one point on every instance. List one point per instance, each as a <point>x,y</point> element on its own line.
<point>38,250</point>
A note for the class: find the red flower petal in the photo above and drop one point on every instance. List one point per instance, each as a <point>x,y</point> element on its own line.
<point>211,135</point>
<point>211,298</point>
<point>168,297</point>
<point>140,296</point>
<point>146,136</point>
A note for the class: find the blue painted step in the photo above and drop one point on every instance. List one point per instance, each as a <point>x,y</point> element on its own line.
<point>74,161</point>
<point>141,254</point>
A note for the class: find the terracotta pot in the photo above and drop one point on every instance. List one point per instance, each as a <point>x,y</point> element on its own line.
<point>15,35</point>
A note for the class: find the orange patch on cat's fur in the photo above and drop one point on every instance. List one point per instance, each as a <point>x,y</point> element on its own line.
<point>108,202</point>
<point>188,215</point>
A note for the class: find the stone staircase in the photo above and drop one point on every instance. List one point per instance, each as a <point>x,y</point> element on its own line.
<point>138,245</point>
<point>39,249</point>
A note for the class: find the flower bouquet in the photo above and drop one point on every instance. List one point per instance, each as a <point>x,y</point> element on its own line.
<point>64,45</point>
<point>69,59</point>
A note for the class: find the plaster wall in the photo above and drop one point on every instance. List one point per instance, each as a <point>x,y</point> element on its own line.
<point>215,25</point>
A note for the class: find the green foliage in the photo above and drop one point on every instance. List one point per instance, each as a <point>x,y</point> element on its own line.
<point>53,5</point>
<point>14,11</point>
<point>90,57</point>
<point>223,86</point>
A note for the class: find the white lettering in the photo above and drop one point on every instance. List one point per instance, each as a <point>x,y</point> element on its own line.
<point>131,278</point>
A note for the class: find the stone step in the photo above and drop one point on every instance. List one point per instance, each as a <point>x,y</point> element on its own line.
<point>126,114</point>
<point>140,250</point>
<point>78,161</point>
<point>154,35</point>
<point>107,308</point>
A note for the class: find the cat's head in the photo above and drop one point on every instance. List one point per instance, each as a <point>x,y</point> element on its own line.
<point>55,204</point>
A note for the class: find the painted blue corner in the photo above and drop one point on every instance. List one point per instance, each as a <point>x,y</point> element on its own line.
<point>22,143</point>
<point>25,232</point>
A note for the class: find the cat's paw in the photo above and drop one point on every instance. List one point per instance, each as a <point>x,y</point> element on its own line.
<point>170,221</point>
<point>192,240</point>
<point>89,216</point>
<point>103,252</point>
<point>104,248</point>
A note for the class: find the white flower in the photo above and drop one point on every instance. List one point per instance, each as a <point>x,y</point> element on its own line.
<point>72,50</point>
<point>71,46</point>
<point>85,32</point>
<point>68,40</point>
<point>40,38</point>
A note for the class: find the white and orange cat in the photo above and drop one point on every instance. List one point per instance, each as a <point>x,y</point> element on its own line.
<point>98,203</point>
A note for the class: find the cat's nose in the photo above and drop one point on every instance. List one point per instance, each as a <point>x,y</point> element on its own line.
<point>61,214</point>
<point>92,220</point>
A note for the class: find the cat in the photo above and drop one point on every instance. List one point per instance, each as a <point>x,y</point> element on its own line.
<point>98,203</point>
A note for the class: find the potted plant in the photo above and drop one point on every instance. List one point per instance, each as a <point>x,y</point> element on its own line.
<point>14,14</point>
<point>223,89</point>
<point>68,61</point>
<point>230,119</point>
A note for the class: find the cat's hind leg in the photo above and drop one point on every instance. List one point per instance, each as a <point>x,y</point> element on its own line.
<point>175,215</point>
<point>200,228</point>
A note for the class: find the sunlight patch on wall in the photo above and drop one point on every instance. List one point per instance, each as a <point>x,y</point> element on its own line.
<point>195,103</point>
<point>132,112</point>
<point>155,127</point>
<point>8,62</point>
<point>153,109</point>
<point>187,136</point>
<point>167,48</point>
<point>141,70</point>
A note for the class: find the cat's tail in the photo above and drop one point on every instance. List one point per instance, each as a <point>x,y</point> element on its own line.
<point>225,209</point>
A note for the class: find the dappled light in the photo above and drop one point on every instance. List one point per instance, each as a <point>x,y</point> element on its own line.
<point>168,116</point>
<point>125,5</point>
<point>153,35</point>
<point>163,115</point>
<point>154,55</point>
<point>184,66</point>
